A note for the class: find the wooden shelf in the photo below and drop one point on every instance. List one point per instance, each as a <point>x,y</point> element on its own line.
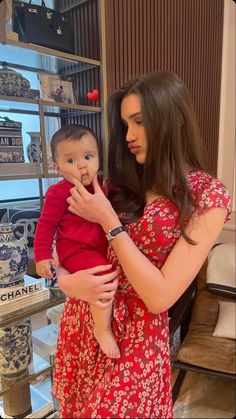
<point>49,51</point>
<point>19,99</point>
<point>12,171</point>
<point>76,109</point>
<point>70,106</point>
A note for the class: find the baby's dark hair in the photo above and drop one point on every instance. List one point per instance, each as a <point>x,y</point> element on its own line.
<point>69,133</point>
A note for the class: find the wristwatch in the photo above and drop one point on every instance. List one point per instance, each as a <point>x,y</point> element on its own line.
<point>113,233</point>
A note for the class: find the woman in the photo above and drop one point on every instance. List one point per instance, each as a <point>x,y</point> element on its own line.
<point>173,212</point>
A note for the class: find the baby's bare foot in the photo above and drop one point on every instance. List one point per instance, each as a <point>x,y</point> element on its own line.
<point>107,343</point>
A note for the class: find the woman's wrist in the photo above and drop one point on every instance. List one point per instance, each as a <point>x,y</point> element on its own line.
<point>112,233</point>
<point>111,224</point>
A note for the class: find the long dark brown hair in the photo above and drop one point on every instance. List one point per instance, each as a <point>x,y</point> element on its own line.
<point>173,146</point>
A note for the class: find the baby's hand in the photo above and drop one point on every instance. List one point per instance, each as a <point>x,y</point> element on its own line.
<point>43,268</point>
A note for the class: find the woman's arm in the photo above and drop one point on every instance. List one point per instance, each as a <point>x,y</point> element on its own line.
<point>159,289</point>
<point>88,285</point>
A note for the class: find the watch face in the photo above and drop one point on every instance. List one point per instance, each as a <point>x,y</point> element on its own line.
<point>109,236</point>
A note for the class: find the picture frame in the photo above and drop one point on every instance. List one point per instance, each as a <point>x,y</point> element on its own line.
<point>53,88</point>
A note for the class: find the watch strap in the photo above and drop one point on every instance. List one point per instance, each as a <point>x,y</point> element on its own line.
<point>113,233</point>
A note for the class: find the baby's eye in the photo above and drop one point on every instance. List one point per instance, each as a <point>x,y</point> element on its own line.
<point>71,161</point>
<point>88,157</point>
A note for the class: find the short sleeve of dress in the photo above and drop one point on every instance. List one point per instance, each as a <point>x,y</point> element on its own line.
<point>209,192</point>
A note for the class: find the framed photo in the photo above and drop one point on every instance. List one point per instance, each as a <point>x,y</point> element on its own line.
<point>53,88</point>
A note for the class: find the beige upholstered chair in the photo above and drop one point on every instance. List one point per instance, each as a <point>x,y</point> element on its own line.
<point>209,346</point>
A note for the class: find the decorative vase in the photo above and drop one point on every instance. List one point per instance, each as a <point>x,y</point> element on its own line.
<point>34,149</point>
<point>16,404</point>
<point>14,256</point>
<point>16,347</point>
<point>13,83</point>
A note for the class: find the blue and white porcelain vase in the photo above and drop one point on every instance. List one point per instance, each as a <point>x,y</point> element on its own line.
<point>34,148</point>
<point>14,256</point>
<point>16,348</point>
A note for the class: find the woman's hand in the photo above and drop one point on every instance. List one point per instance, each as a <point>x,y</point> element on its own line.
<point>92,207</point>
<point>88,285</point>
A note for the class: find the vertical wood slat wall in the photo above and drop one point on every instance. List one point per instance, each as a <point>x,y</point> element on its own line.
<point>85,20</point>
<point>184,36</point>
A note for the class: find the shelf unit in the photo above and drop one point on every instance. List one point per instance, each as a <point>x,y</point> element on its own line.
<point>12,171</point>
<point>68,65</point>
<point>39,108</point>
<point>39,366</point>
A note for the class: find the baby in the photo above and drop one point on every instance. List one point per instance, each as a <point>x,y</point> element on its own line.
<point>80,244</point>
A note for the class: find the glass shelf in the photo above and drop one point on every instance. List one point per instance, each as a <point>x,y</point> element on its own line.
<point>18,105</point>
<point>38,367</point>
<point>13,171</point>
<point>41,401</point>
<point>18,99</point>
<point>44,59</point>
<point>14,104</point>
<point>31,310</point>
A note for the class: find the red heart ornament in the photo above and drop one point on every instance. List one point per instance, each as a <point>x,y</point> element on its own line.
<point>93,96</point>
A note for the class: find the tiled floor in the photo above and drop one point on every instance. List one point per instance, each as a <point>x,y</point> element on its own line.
<point>205,397</point>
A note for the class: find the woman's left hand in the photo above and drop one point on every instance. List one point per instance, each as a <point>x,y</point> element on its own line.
<point>92,207</point>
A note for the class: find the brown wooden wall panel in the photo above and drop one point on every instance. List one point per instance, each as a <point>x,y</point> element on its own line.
<point>184,36</point>
<point>84,17</point>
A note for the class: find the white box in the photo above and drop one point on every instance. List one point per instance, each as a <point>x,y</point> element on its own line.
<point>46,338</point>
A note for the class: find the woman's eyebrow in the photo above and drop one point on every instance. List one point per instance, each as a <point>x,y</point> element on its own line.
<point>133,115</point>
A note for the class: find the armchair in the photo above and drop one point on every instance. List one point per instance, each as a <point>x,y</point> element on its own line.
<point>209,346</point>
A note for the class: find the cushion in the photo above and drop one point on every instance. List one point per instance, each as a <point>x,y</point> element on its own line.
<point>226,323</point>
<point>25,216</point>
<point>200,347</point>
<point>221,270</point>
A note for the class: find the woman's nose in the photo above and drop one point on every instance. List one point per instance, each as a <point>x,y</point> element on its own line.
<point>130,135</point>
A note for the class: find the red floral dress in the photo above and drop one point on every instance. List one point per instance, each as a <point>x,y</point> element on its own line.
<point>138,384</point>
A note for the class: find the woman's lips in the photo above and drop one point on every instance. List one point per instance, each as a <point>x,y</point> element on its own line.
<point>134,148</point>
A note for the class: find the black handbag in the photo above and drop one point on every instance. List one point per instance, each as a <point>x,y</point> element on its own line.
<point>43,26</point>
